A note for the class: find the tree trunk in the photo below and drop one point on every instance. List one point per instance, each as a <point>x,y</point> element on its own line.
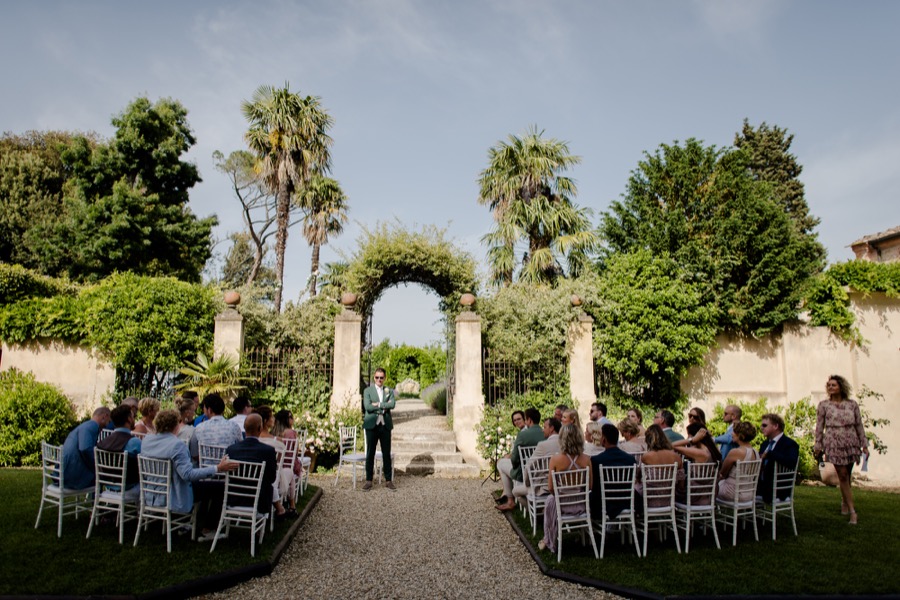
<point>314,270</point>
<point>282,217</point>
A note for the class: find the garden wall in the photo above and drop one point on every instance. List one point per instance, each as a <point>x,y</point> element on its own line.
<point>80,376</point>
<point>797,363</point>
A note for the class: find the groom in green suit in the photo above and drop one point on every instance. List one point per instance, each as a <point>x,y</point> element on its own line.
<point>377,424</point>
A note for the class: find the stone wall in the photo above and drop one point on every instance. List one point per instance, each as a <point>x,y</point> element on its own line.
<point>79,374</point>
<point>796,364</point>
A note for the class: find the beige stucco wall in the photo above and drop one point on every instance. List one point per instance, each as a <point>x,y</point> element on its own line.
<point>796,364</point>
<point>79,374</point>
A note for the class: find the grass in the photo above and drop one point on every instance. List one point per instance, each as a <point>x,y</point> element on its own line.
<point>35,561</point>
<point>828,557</point>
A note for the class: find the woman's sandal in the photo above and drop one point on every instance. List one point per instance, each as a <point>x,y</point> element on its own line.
<point>844,510</point>
<point>542,545</point>
<point>852,517</point>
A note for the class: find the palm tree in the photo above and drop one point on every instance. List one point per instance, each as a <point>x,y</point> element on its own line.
<point>532,202</point>
<point>288,134</point>
<point>325,211</point>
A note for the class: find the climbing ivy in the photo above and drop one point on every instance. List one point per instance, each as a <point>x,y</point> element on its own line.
<point>828,300</point>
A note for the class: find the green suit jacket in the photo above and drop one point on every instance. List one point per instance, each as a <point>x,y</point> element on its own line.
<point>530,436</point>
<point>370,400</point>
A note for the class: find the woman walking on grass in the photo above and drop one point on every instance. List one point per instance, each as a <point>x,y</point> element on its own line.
<point>840,436</point>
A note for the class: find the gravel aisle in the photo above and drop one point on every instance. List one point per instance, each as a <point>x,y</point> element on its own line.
<point>433,538</point>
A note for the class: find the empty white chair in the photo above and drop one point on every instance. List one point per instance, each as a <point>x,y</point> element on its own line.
<point>782,499</point>
<point>54,491</point>
<point>110,495</point>
<point>617,491</point>
<point>306,461</point>
<point>700,501</point>
<point>348,454</point>
<point>525,453</point>
<point>536,498</point>
<point>571,491</point>
<point>659,500</point>
<point>156,499</point>
<point>743,508</point>
<point>242,487</point>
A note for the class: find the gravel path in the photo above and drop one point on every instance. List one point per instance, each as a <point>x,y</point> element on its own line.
<point>434,538</point>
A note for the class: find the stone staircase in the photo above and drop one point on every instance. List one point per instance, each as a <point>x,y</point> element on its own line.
<point>423,444</point>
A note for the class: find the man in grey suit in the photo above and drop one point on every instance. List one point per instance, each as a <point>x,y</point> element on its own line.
<point>378,401</point>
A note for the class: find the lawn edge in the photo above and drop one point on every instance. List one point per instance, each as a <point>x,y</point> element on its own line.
<point>208,584</point>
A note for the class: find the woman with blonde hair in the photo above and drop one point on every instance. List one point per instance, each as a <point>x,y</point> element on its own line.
<point>840,437</point>
<point>592,435</point>
<point>631,442</point>
<point>571,456</point>
<point>149,407</point>
<point>636,416</point>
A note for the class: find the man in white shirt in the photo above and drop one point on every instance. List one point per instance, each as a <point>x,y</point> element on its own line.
<point>242,407</point>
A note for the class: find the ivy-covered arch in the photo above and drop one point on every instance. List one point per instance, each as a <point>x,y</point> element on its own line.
<point>391,254</point>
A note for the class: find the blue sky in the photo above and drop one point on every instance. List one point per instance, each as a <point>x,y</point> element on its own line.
<point>420,90</point>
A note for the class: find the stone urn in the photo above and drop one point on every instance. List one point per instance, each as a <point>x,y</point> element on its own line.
<point>575,300</point>
<point>467,300</point>
<point>232,299</point>
<point>348,299</point>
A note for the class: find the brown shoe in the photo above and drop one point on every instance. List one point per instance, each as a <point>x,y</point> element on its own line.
<point>367,486</point>
<point>390,485</point>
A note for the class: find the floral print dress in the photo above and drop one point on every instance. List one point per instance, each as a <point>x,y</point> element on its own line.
<point>839,431</point>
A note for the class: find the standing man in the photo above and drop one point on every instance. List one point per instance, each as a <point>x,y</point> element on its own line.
<point>78,450</point>
<point>732,416</point>
<point>778,448</point>
<point>378,401</point>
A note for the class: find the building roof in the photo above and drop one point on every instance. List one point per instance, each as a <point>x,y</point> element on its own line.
<point>879,237</point>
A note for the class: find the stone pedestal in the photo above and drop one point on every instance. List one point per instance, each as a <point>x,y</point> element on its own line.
<point>347,350</point>
<point>581,365</point>
<point>228,337</point>
<point>468,399</point>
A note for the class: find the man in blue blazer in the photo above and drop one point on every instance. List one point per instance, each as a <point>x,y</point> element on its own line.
<point>612,456</point>
<point>378,401</point>
<point>778,448</point>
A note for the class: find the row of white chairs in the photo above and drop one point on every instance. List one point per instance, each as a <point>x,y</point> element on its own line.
<point>152,501</point>
<point>660,507</point>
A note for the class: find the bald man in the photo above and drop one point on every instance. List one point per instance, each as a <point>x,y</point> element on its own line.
<point>251,449</point>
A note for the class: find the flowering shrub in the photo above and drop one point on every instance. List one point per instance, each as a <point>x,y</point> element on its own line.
<point>323,433</point>
<point>496,433</point>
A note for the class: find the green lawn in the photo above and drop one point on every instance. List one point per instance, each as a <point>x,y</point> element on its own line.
<point>828,557</point>
<point>35,561</point>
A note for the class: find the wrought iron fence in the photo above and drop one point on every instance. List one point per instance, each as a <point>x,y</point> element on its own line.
<point>299,378</point>
<point>503,378</point>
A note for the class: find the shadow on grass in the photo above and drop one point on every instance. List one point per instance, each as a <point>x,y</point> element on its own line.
<point>35,563</point>
<point>829,558</point>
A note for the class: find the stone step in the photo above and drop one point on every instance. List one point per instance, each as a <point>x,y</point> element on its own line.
<point>403,457</point>
<point>444,471</point>
<point>426,435</point>
<point>407,446</point>
<point>412,415</point>
<point>428,422</point>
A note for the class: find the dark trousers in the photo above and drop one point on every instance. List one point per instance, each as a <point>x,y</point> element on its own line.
<point>381,434</point>
<point>210,494</point>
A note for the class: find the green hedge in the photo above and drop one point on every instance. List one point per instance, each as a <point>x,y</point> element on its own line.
<point>30,411</point>
<point>18,283</point>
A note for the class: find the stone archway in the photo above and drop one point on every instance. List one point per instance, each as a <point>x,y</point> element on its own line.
<point>391,254</point>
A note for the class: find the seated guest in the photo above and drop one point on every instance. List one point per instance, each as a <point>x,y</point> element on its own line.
<point>571,456</point>
<point>518,419</point>
<point>637,417</point>
<point>742,435</point>
<point>548,447</point>
<point>189,484</point>
<point>132,403</point>
<point>121,440</point>
<point>149,407</point>
<point>284,430</point>
<point>630,443</point>
<point>665,420</point>
<point>696,417</point>
<point>731,416</point>
<point>593,432</point>
<point>570,417</point>
<point>510,468</point>
<point>78,450</point>
<point>559,410</point>
<point>776,448</point>
<point>698,447</point>
<point>252,449</point>
<point>242,407</point>
<point>612,456</point>
<point>187,408</point>
<point>598,413</point>
<point>660,452</point>
<point>282,483</point>
<point>215,431</point>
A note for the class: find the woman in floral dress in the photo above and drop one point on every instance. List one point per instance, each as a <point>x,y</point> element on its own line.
<point>841,437</point>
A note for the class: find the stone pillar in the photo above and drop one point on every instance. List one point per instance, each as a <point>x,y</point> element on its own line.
<point>581,363</point>
<point>347,350</point>
<point>468,399</point>
<point>228,337</point>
